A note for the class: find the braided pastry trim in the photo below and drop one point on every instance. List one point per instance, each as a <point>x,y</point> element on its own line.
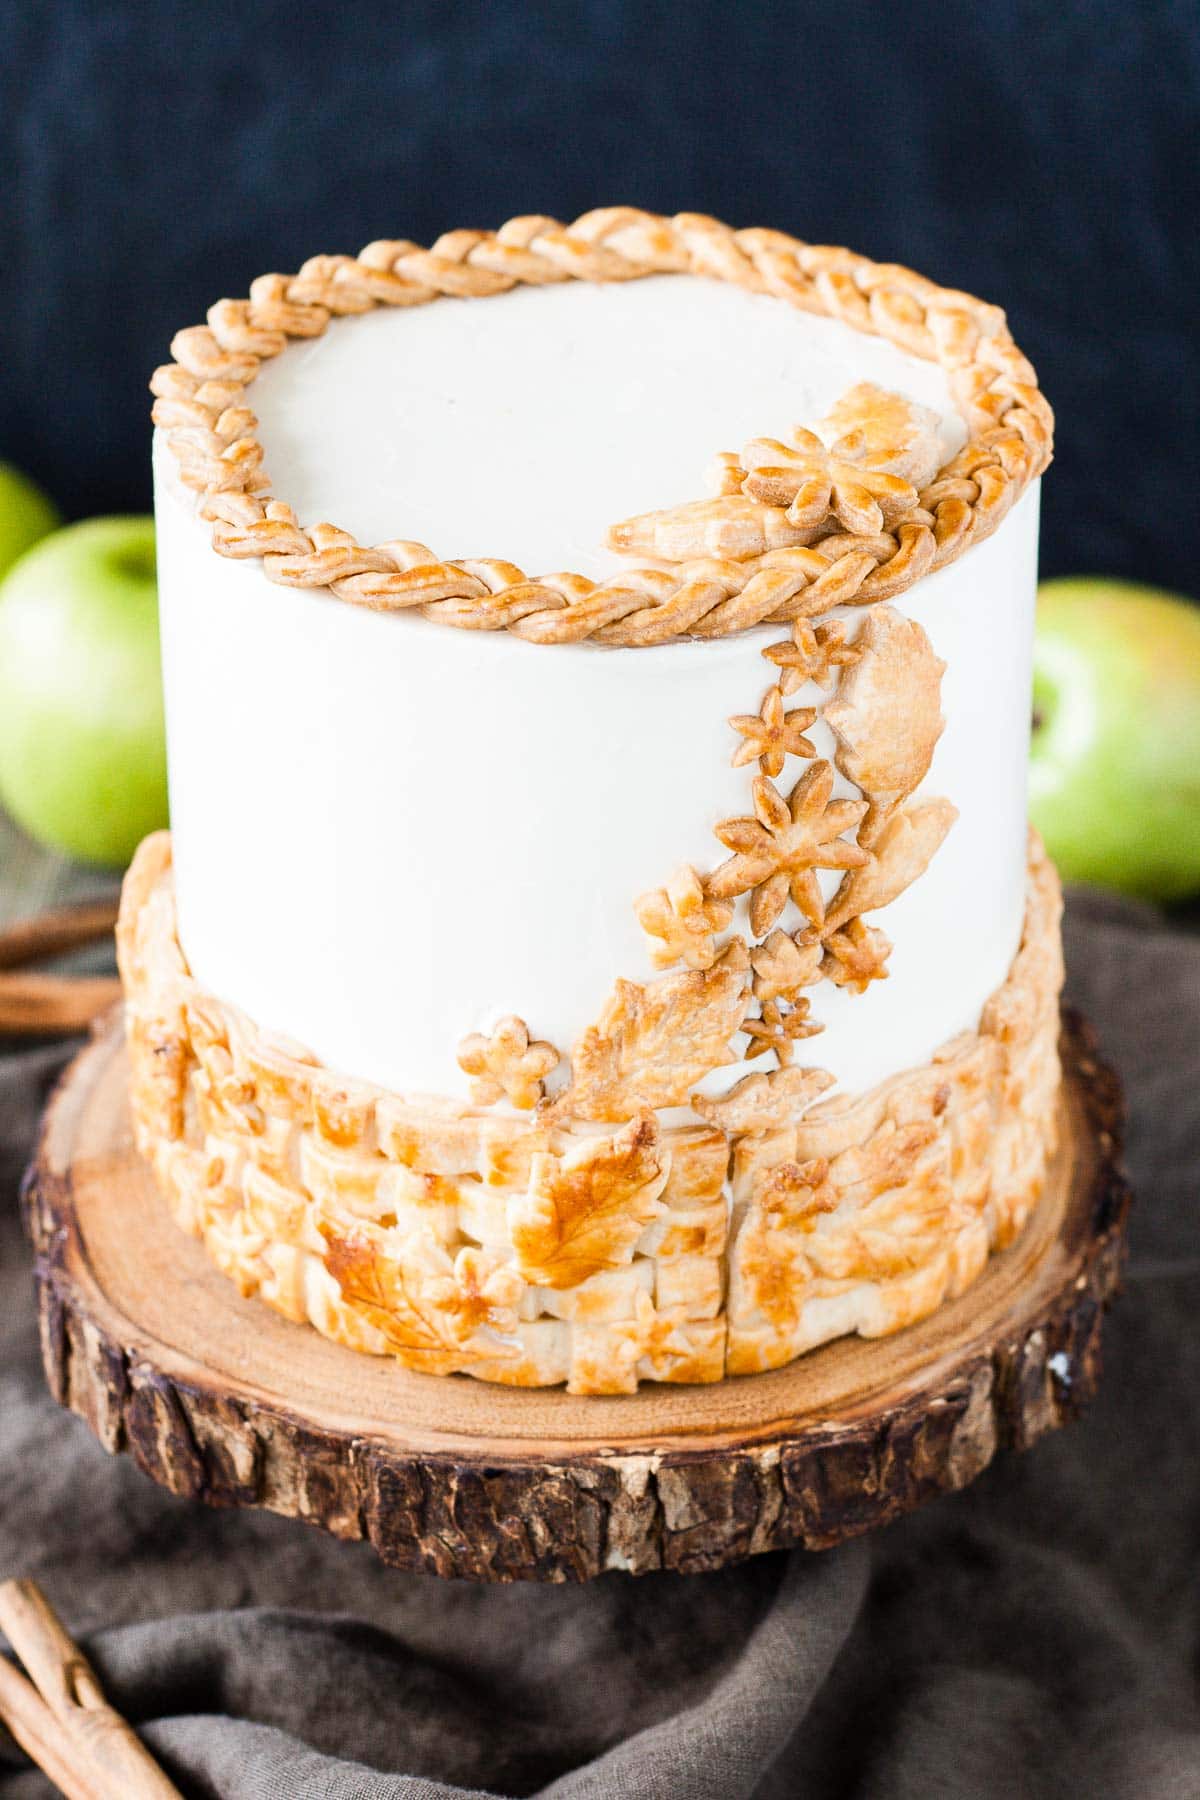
<point>200,405</point>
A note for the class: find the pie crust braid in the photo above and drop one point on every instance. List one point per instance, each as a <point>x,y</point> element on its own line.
<point>524,1249</point>
<point>202,407</point>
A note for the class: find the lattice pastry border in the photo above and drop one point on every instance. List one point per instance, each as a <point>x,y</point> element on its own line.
<point>524,1252</point>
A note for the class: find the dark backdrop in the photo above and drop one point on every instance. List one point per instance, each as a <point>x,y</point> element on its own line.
<point>156,156</point>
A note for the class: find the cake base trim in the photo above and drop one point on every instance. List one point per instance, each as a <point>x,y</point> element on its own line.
<point>222,1400</point>
<point>524,1253</point>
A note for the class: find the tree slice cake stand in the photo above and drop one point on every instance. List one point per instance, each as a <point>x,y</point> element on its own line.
<point>220,1399</point>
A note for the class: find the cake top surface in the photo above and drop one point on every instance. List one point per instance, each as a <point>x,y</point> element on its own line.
<point>539,468</point>
<point>525,430</point>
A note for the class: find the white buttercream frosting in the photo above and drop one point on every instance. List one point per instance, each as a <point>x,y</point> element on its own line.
<point>388,832</point>
<point>523,428</point>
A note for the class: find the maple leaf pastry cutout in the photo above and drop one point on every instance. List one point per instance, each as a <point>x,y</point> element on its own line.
<point>428,1307</point>
<point>769,1273</point>
<point>856,956</point>
<point>784,964</point>
<point>666,1340</point>
<point>771,734</point>
<point>584,1211</point>
<point>889,1158</point>
<point>659,1334</point>
<point>794,1192</point>
<point>506,1064</point>
<point>779,850</point>
<point>684,920</point>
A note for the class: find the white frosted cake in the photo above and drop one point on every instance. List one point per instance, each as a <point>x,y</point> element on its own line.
<point>599,939</point>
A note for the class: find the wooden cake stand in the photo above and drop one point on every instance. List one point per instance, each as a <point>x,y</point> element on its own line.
<point>222,1400</point>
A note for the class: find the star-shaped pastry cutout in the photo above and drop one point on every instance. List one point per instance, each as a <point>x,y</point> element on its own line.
<point>779,1030</point>
<point>812,653</point>
<point>771,734</point>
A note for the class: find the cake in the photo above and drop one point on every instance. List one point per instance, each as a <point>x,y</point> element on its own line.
<point>599,939</point>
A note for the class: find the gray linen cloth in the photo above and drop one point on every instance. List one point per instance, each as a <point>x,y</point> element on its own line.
<point>1036,1635</point>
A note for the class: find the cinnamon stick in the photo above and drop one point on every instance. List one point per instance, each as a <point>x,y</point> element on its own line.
<point>90,1741</point>
<point>56,930</point>
<point>33,1726</point>
<point>54,1004</point>
<point>34,1003</point>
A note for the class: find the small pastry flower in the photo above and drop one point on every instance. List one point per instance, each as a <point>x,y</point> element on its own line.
<point>856,955</point>
<point>684,920</point>
<point>783,965</point>
<point>813,481</point>
<point>506,1064</point>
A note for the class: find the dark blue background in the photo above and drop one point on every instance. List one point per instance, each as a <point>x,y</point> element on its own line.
<point>156,156</point>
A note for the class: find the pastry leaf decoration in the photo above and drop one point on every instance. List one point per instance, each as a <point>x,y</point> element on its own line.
<point>902,852</point>
<point>856,956</point>
<point>783,965</point>
<point>427,1307</point>
<point>887,713</point>
<point>585,1211</point>
<point>732,527</point>
<point>655,1041</point>
<point>765,1102</point>
<point>887,430</point>
<point>791,1192</point>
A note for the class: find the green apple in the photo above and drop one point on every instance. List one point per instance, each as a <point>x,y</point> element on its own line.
<point>1115,758</point>
<point>82,759</point>
<point>26,514</point>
